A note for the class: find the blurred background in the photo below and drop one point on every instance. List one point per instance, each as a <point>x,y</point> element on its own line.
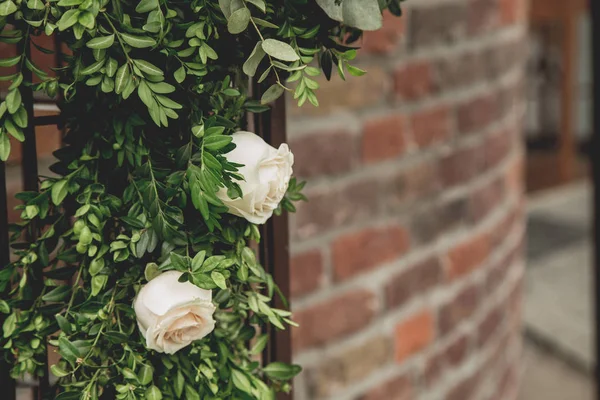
<point>445,252</point>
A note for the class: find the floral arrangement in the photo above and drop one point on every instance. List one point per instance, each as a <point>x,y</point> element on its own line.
<point>133,261</point>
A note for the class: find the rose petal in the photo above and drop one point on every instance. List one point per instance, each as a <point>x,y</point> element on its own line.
<point>165,293</point>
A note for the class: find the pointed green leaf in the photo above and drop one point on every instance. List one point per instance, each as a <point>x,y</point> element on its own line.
<point>101,42</point>
<point>139,42</point>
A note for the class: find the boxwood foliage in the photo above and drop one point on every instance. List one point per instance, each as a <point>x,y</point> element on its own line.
<point>150,92</point>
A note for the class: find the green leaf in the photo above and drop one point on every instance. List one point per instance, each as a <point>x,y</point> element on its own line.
<point>153,393</point>
<point>216,142</point>
<point>139,42</point>
<point>272,94</point>
<point>57,294</point>
<point>7,8</point>
<point>178,384</point>
<point>151,271</point>
<point>148,68</point>
<point>260,344</point>
<point>241,381</point>
<point>68,350</point>
<point>87,19</point>
<point>13,101</point>
<point>191,393</point>
<point>58,371</point>
<point>219,279</point>
<point>4,307</point>
<point>4,146</point>
<point>145,6</point>
<point>98,283</point>
<point>198,260</point>
<point>10,324</point>
<point>252,63</point>
<point>280,50</point>
<point>68,19</point>
<point>63,324</point>
<point>260,4</point>
<point>238,21</point>
<point>59,191</point>
<point>361,14</point>
<point>282,371</point>
<point>9,62</point>
<point>93,68</point>
<point>145,373</point>
<point>180,74</point>
<point>101,42</point>
<point>122,78</point>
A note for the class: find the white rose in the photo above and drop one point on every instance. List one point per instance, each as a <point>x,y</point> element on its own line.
<point>171,314</point>
<point>267,172</point>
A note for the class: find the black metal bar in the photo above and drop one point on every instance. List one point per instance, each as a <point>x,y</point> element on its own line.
<point>29,175</point>
<point>595,160</point>
<point>45,120</point>
<point>7,385</point>
<point>274,246</point>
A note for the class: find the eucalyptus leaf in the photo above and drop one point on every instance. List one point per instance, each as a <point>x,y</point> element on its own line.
<point>238,21</point>
<point>280,50</point>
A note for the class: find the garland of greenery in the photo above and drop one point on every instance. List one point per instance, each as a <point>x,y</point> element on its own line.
<point>151,93</point>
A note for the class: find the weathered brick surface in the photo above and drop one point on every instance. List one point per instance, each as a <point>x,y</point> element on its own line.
<point>351,365</point>
<point>414,335</point>
<point>307,272</point>
<point>383,138</point>
<point>415,281</point>
<point>362,251</point>
<point>415,185</point>
<point>334,319</point>
<point>400,388</point>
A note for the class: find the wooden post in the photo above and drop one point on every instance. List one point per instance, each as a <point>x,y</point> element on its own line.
<point>274,246</point>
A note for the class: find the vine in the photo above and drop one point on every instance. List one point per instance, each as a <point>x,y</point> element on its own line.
<point>157,181</point>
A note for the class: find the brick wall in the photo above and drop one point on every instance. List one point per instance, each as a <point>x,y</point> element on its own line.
<point>407,261</point>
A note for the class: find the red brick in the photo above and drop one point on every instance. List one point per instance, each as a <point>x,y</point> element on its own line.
<point>483,16</point>
<point>333,319</point>
<point>497,147</point>
<point>488,326</point>
<point>498,273</point>
<point>324,153</point>
<point>429,223</point>
<point>465,389</point>
<point>383,138</point>
<point>512,11</point>
<point>437,24</point>
<point>414,334</point>
<point>400,388</point>
<point>477,114</point>
<point>333,207</point>
<point>459,70</point>
<point>457,351</point>
<point>332,374</point>
<point>485,199</point>
<point>365,250</point>
<point>515,176</point>
<point>458,309</point>
<point>460,166</point>
<point>306,271</point>
<point>404,188</point>
<point>386,39</point>
<point>415,281</point>
<point>414,81</point>
<point>468,255</point>
<point>431,126</point>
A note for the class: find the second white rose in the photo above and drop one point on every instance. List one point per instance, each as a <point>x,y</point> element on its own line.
<point>267,172</point>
